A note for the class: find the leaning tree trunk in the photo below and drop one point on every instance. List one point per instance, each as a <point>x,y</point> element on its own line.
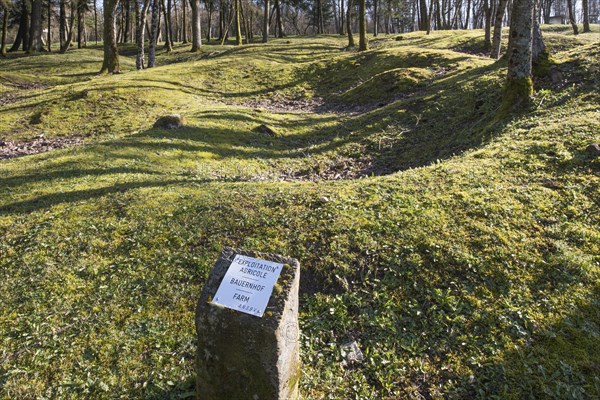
<point>572,17</point>
<point>497,39</point>
<point>363,43</point>
<point>140,32</point>
<point>111,52</point>
<point>196,31</point>
<point>35,29</point>
<point>349,24</point>
<point>153,33</point>
<point>586,15</point>
<point>4,31</point>
<point>519,86</point>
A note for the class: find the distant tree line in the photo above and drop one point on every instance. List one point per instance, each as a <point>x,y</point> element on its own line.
<point>35,25</point>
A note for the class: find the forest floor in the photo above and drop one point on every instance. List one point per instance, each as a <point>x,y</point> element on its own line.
<point>459,246</point>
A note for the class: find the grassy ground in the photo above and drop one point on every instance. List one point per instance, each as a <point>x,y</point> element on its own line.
<point>460,249</point>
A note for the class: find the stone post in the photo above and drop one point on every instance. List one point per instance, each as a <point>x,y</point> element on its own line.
<point>242,355</point>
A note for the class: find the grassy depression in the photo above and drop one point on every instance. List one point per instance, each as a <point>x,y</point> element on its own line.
<point>460,249</point>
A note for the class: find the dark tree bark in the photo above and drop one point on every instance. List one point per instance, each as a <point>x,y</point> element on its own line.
<point>497,39</point>
<point>423,20</point>
<point>519,85</point>
<point>35,29</point>
<point>349,24</point>
<point>265,30</point>
<point>80,11</point>
<point>375,17</point>
<point>153,33</point>
<point>62,23</point>
<point>196,31</point>
<point>49,33</point>
<point>211,7</point>
<point>4,31</point>
<point>184,39</point>
<point>363,43</point>
<point>141,17</point>
<point>572,17</point>
<point>127,7</point>
<point>586,16</point>
<point>488,22</point>
<point>280,32</point>
<point>111,52</point>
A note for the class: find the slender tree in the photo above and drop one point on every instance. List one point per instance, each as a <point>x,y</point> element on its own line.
<point>586,15</point>
<point>349,24</point>
<point>363,43</point>
<point>153,33</point>
<point>196,31</point>
<point>6,9</point>
<point>265,37</point>
<point>111,51</point>
<point>571,12</point>
<point>280,32</point>
<point>168,41</point>
<point>519,85</point>
<point>497,38</point>
<point>237,21</point>
<point>140,32</point>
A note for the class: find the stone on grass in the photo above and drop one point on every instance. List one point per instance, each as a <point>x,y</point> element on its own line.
<point>593,150</point>
<point>266,130</point>
<point>244,356</point>
<point>171,121</point>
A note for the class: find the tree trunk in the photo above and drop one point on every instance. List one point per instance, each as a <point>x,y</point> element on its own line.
<point>487,44</point>
<point>196,32</point>
<point>168,44</point>
<point>169,23</point>
<point>126,4</point>
<point>237,22</point>
<point>572,17</point>
<point>363,43</point>
<point>519,85</point>
<point>49,33</point>
<point>35,29</point>
<point>497,40</point>
<point>184,22</point>
<point>586,15</point>
<point>80,10</point>
<point>211,6</point>
<point>96,21</point>
<point>265,38</point>
<point>68,31</point>
<point>280,32</point>
<point>375,17</point>
<point>141,17</point>
<point>349,24</point>
<point>111,52</point>
<point>423,21</point>
<point>4,31</point>
<point>153,33</point>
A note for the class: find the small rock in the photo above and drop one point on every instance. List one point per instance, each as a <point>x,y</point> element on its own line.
<point>266,130</point>
<point>593,150</point>
<point>171,121</point>
<point>556,75</point>
<point>351,353</point>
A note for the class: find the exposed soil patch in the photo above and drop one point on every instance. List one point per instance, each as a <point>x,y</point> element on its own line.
<point>316,106</point>
<point>12,149</point>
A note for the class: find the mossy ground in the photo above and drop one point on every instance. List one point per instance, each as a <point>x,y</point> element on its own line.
<point>464,260</point>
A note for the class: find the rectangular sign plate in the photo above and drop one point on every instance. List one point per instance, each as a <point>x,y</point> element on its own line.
<point>248,284</point>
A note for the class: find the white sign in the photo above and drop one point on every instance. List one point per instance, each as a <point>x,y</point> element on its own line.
<point>248,284</point>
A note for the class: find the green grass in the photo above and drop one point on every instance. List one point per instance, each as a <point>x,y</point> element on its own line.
<point>463,258</point>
